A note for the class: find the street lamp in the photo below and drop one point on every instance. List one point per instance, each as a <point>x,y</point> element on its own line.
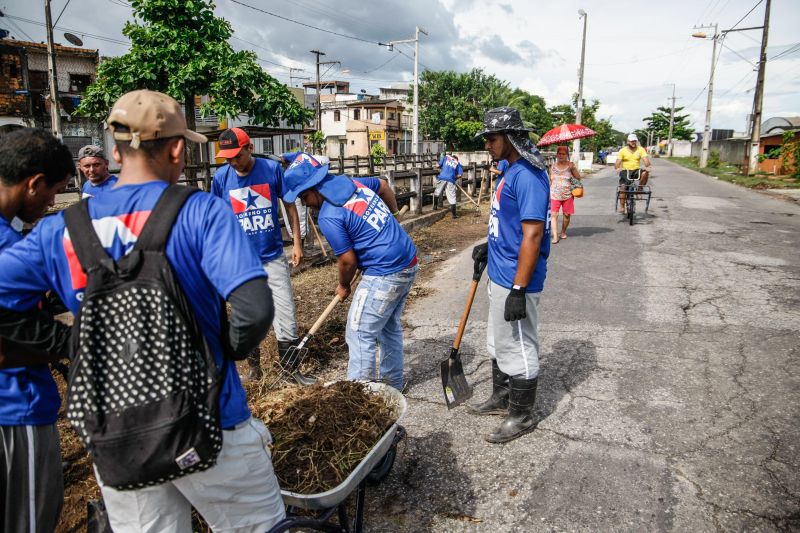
<point>390,47</point>
<point>707,127</point>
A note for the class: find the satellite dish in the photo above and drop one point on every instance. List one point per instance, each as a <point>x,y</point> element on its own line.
<point>74,39</point>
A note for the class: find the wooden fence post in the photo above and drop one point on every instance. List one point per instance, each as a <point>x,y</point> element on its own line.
<point>370,165</point>
<point>388,175</point>
<point>471,177</point>
<point>358,166</point>
<point>416,186</point>
<point>341,164</point>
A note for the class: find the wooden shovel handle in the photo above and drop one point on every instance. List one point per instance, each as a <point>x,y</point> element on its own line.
<point>467,195</point>
<point>327,311</point>
<point>318,236</point>
<point>324,315</point>
<point>465,315</point>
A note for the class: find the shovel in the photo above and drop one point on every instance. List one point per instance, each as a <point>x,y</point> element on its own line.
<point>454,382</point>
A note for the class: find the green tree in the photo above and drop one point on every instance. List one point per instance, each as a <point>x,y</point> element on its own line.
<point>658,122</point>
<point>179,47</point>
<point>454,104</point>
<point>317,141</point>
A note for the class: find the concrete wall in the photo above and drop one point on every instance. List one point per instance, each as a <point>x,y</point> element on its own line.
<point>730,150</point>
<point>681,148</point>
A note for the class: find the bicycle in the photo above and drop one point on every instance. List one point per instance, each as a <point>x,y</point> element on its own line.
<point>633,192</point>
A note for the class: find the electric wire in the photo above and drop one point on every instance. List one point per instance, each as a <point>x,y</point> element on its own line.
<point>78,32</point>
<point>62,12</point>
<point>344,35</point>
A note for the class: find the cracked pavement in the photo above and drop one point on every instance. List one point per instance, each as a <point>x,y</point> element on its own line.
<point>669,393</point>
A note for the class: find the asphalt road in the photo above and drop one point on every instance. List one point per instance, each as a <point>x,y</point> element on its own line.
<point>669,393</point>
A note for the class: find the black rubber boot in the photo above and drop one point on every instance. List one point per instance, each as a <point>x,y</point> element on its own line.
<point>435,203</point>
<point>254,370</point>
<point>520,419</point>
<point>497,404</point>
<point>453,211</point>
<point>290,366</point>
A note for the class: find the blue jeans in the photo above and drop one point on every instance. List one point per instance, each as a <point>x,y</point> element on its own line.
<point>374,318</point>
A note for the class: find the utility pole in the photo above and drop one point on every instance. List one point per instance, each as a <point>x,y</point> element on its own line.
<point>576,144</point>
<point>319,109</point>
<point>671,121</point>
<point>758,98</point>
<point>707,127</point>
<point>55,113</point>
<point>415,119</point>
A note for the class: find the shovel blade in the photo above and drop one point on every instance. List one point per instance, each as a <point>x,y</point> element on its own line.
<point>454,382</point>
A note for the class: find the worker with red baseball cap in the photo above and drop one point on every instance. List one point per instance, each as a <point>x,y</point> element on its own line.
<point>253,187</point>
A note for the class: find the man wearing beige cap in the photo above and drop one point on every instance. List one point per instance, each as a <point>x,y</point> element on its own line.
<point>94,165</point>
<point>237,489</point>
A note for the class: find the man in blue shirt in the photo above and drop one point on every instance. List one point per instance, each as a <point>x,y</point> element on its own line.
<point>517,251</point>
<point>357,218</point>
<point>93,163</point>
<point>252,187</point>
<point>212,259</point>
<point>446,180</point>
<point>34,166</point>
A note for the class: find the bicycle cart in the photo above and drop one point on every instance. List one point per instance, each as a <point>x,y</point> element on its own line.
<point>633,193</point>
<point>325,506</point>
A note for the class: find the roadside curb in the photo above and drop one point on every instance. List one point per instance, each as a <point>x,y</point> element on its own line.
<point>788,195</point>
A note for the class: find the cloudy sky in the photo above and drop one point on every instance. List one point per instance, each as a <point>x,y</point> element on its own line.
<point>634,49</point>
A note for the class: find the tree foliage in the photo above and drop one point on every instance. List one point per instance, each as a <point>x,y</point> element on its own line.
<point>658,123</point>
<point>179,47</point>
<point>453,105</point>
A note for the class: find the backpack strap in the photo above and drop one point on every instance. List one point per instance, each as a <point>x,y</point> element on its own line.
<point>159,224</point>
<point>84,238</point>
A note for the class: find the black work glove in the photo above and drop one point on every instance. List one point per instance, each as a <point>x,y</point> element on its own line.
<point>480,256</point>
<point>515,305</point>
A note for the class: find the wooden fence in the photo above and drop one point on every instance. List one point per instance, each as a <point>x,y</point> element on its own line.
<point>411,176</point>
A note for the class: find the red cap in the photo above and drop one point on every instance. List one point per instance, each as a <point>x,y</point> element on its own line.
<point>231,142</point>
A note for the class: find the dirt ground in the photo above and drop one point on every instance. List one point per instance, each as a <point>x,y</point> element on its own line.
<point>327,351</point>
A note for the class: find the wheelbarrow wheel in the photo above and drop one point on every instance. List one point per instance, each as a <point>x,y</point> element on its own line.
<point>383,468</point>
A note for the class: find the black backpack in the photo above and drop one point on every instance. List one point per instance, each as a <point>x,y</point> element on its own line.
<point>143,387</point>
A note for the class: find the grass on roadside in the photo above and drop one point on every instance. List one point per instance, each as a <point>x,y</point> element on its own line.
<point>731,173</point>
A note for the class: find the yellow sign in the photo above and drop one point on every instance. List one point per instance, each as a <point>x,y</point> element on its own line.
<point>377,135</point>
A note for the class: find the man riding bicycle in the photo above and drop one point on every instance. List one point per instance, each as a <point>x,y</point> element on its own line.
<point>629,164</point>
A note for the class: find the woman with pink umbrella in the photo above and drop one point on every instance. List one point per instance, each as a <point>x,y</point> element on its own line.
<point>562,173</point>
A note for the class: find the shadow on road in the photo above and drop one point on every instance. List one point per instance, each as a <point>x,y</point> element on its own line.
<point>425,482</point>
<point>587,231</point>
<point>570,363</point>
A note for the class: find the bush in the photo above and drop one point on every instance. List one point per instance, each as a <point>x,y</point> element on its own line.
<point>713,159</point>
<point>377,152</point>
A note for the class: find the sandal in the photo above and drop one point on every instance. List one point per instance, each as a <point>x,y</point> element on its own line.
<point>562,236</point>
<point>554,240</point>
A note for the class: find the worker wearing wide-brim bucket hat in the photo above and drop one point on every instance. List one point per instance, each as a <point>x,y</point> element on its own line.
<point>516,251</point>
<point>507,120</point>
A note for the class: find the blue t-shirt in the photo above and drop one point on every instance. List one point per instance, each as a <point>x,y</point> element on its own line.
<point>90,190</point>
<point>522,194</point>
<point>28,395</point>
<point>451,169</point>
<point>502,166</point>
<point>365,225</point>
<point>254,199</point>
<point>208,252</point>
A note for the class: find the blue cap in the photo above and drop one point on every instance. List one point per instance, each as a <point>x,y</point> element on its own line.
<point>306,172</point>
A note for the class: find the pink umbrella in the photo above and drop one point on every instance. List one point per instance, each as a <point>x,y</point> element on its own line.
<point>565,132</point>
